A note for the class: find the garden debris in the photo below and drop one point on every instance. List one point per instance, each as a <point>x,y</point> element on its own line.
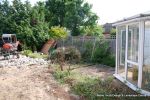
<point>47,46</point>
<point>22,61</point>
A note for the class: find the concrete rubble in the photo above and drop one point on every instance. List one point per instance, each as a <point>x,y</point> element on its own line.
<point>22,61</point>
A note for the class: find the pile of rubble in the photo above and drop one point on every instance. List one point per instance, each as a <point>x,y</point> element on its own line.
<point>23,61</point>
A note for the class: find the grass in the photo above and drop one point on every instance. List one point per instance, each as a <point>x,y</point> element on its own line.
<point>37,55</point>
<point>29,53</point>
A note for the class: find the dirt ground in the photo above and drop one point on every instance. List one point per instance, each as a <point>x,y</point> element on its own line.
<point>31,83</point>
<point>36,82</point>
<point>96,70</point>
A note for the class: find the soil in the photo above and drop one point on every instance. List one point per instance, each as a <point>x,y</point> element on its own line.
<point>36,82</point>
<point>31,83</point>
<point>103,72</point>
<point>96,70</point>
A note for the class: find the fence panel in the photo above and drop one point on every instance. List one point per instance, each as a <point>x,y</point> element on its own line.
<point>88,44</point>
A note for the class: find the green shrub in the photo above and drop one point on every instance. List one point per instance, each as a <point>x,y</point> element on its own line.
<point>113,32</point>
<point>109,60</point>
<point>87,52</point>
<point>100,54</point>
<point>92,87</point>
<point>29,53</point>
<point>58,32</point>
<point>61,75</point>
<point>26,52</point>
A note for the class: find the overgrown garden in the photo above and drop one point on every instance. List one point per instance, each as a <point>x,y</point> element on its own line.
<point>58,19</point>
<point>35,24</point>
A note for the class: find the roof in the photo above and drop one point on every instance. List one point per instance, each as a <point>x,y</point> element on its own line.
<point>7,35</point>
<point>137,17</point>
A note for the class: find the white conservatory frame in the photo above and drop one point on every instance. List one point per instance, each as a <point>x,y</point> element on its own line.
<point>140,19</point>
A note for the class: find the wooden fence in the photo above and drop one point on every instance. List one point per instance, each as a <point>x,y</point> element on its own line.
<point>80,41</point>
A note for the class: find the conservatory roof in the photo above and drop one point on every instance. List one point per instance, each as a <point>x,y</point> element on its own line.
<point>138,17</point>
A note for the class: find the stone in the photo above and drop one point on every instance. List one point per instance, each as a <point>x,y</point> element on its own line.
<point>22,61</point>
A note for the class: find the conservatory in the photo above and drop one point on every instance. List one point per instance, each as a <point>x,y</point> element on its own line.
<point>133,52</point>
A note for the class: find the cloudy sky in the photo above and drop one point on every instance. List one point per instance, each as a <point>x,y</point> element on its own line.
<point>113,10</point>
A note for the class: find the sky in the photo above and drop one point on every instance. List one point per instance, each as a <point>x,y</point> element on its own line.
<point>113,10</point>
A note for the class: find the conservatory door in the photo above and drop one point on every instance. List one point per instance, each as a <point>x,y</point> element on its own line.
<point>132,53</point>
<point>146,64</point>
<point>122,47</point>
<point>121,50</point>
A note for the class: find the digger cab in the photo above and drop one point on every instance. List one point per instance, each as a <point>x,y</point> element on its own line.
<point>9,38</point>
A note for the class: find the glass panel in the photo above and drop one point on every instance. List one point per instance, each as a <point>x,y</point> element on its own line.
<point>132,73</point>
<point>133,39</point>
<point>121,50</point>
<point>146,66</point>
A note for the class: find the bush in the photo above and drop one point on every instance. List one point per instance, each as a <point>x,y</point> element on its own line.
<point>113,32</point>
<point>100,54</point>
<point>95,30</point>
<point>109,60</point>
<point>58,32</point>
<point>92,87</point>
<point>61,75</point>
<point>70,54</point>
<point>86,55</point>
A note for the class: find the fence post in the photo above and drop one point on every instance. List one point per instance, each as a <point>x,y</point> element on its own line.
<point>93,49</point>
<point>83,41</point>
<point>63,42</point>
<point>72,40</point>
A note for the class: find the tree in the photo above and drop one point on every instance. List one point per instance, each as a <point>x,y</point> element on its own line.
<point>32,23</point>
<point>95,30</point>
<point>5,17</point>
<point>113,31</point>
<point>40,27</point>
<point>26,21</point>
<point>70,14</point>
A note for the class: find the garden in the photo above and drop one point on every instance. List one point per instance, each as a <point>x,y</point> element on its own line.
<point>78,65</point>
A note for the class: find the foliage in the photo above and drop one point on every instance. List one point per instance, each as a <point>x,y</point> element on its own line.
<point>32,23</point>
<point>83,85</point>
<point>68,54</point>
<point>70,14</point>
<point>92,87</point>
<point>26,21</point>
<point>58,32</point>
<point>37,55</point>
<point>61,75</point>
<point>95,30</point>
<point>65,55</point>
<point>101,54</point>
<point>29,53</point>
<point>88,47</point>
<point>26,52</point>
<point>113,31</point>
